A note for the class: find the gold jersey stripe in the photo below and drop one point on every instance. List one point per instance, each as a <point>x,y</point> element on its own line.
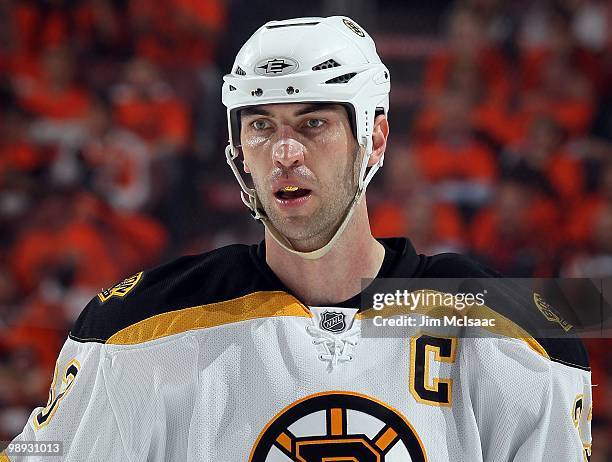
<point>503,326</point>
<point>337,422</point>
<point>285,441</point>
<point>386,439</point>
<point>252,306</point>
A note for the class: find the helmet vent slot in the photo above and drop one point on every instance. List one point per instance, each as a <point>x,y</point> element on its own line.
<point>342,78</point>
<point>240,71</point>
<point>278,26</point>
<point>326,65</point>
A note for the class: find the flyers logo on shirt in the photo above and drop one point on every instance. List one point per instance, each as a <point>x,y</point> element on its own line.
<point>338,426</point>
<point>121,289</point>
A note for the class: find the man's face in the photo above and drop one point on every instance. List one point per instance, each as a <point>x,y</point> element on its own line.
<point>305,146</point>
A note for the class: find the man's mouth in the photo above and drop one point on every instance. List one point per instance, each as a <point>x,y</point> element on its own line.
<point>288,193</point>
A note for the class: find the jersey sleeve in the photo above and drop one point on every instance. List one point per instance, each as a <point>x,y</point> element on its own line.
<point>78,412</point>
<point>527,406</point>
<point>565,430</point>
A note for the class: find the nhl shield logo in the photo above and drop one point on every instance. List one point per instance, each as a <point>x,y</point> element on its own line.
<point>333,321</point>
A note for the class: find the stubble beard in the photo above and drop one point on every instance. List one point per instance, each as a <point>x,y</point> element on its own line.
<point>311,232</point>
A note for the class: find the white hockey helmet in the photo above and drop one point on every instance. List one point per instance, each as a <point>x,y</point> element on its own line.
<point>328,60</point>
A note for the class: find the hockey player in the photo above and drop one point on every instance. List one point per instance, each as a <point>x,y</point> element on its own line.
<point>255,353</point>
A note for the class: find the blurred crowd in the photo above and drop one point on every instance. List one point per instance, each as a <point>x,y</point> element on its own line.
<point>111,156</point>
<point>509,154</point>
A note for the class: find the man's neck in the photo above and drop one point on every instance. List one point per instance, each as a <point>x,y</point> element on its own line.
<point>337,275</point>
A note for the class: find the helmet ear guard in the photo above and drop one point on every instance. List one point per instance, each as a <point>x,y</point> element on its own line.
<point>308,60</point>
<point>247,194</point>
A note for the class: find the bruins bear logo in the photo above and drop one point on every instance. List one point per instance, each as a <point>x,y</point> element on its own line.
<point>354,27</point>
<point>338,426</point>
<point>120,289</point>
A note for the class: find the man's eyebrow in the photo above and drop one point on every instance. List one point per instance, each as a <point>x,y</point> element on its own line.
<point>253,111</point>
<point>258,111</point>
<point>316,107</point>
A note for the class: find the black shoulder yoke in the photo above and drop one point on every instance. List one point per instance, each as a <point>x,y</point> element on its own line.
<point>515,301</point>
<point>222,274</point>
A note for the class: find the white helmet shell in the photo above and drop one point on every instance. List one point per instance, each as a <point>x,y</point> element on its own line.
<point>308,60</point>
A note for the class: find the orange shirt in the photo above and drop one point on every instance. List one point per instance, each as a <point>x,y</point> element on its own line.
<point>51,25</point>
<point>472,161</point>
<point>156,119</point>
<point>175,33</point>
<point>20,65</point>
<point>138,242</point>
<point>566,175</point>
<point>391,220</point>
<point>78,244</point>
<point>581,220</point>
<point>19,156</point>
<point>573,114</point>
<point>489,116</point>
<point>41,327</point>
<point>68,103</point>
<point>491,65</point>
<point>538,228</point>
<point>535,61</point>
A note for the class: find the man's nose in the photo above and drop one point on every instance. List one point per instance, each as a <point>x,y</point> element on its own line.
<point>287,152</point>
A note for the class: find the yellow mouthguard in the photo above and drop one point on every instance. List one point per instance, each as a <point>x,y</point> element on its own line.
<point>290,188</point>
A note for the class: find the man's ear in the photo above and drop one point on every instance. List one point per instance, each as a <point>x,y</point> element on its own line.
<point>380,133</point>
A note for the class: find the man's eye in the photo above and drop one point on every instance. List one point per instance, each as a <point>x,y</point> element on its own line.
<point>314,123</point>
<point>259,124</point>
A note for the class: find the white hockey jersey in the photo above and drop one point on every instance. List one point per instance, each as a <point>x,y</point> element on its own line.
<point>210,358</point>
